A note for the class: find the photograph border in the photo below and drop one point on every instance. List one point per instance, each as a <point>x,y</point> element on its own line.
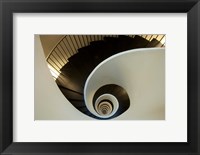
<point>8,7</point>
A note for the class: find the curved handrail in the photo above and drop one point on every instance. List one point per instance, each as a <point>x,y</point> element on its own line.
<point>55,47</point>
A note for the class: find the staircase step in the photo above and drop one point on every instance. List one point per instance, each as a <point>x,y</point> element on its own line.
<point>123,43</point>
<point>113,44</point>
<point>71,72</point>
<point>77,56</point>
<point>100,53</point>
<point>70,83</point>
<point>140,42</point>
<point>95,51</point>
<point>126,39</point>
<point>71,94</point>
<point>126,43</point>
<point>84,63</point>
<point>154,43</point>
<point>77,104</point>
<point>111,39</point>
<point>98,43</point>
<point>85,51</point>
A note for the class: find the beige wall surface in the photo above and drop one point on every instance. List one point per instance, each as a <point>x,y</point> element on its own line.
<point>49,102</point>
<point>49,42</point>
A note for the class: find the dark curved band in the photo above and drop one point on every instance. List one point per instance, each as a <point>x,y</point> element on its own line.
<point>104,101</point>
<point>117,91</point>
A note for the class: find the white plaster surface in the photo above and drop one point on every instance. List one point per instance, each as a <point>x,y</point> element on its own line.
<point>141,72</point>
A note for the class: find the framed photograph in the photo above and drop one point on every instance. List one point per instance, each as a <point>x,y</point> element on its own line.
<point>103,77</point>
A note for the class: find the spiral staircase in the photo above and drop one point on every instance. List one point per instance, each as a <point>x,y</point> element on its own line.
<point>72,64</point>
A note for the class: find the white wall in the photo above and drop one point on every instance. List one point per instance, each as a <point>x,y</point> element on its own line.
<point>50,103</point>
<point>141,72</point>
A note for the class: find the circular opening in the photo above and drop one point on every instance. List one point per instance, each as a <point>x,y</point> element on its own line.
<point>104,107</point>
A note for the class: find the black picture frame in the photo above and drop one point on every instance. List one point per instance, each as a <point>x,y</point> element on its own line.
<point>8,7</point>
